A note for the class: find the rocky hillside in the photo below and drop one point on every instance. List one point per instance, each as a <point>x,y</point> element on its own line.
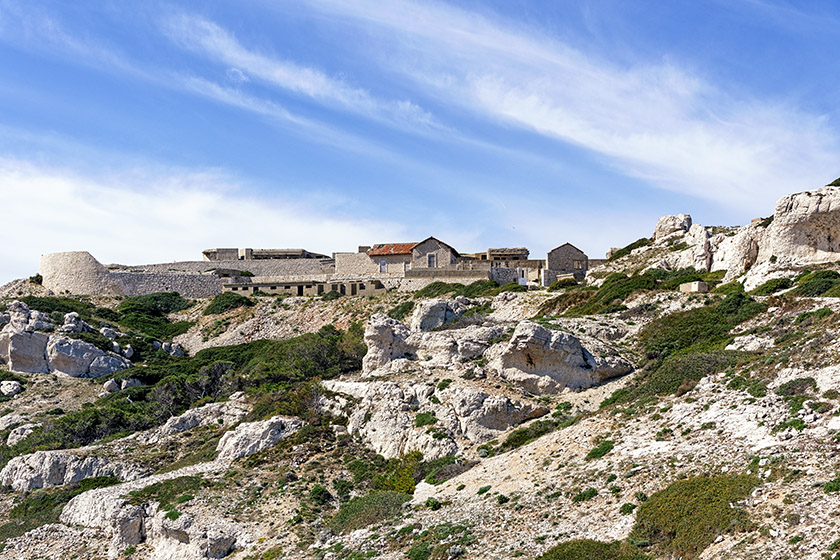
<point>622,419</point>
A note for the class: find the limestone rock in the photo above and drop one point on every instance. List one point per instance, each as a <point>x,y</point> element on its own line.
<point>24,352</point>
<point>70,356</point>
<point>10,388</point>
<point>10,420</point>
<point>55,468</point>
<point>128,383</point>
<point>433,313</point>
<point>20,433</point>
<point>671,224</point>
<point>73,323</point>
<point>107,364</point>
<point>386,340</point>
<point>187,538</point>
<point>221,413</point>
<point>22,319</point>
<point>545,361</point>
<point>751,343</point>
<point>252,437</point>
<point>109,333</point>
<point>128,352</point>
<point>111,386</point>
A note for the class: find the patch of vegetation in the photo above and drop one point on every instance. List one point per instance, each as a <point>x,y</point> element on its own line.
<point>522,436</point>
<point>798,386</point>
<point>401,311</point>
<point>147,314</point>
<point>61,305</point>
<point>425,419</point>
<point>835,183</point>
<point>225,302</point>
<point>815,284</point>
<point>812,316</point>
<point>584,495</point>
<point>600,450</point>
<point>332,295</point>
<point>772,286</point>
<point>688,515</point>
<point>169,493</point>
<point>479,288</point>
<point>41,507</point>
<point>377,506</point>
<point>729,289</point>
<point>586,549</point>
<point>755,387</point>
<point>832,486</point>
<point>444,383</point>
<point>624,251</point>
<point>562,284</point>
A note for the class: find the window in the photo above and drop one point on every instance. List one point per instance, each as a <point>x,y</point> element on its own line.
<point>407,264</point>
<point>383,266</point>
<point>578,265</point>
<point>432,260</point>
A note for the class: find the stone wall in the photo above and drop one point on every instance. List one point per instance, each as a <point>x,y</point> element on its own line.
<point>268,267</point>
<point>354,263</point>
<point>188,285</point>
<point>504,275</point>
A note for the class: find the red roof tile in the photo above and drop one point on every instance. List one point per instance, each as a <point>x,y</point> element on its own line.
<point>391,249</point>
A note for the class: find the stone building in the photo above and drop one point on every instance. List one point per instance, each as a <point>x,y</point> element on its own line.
<point>501,254</point>
<point>397,258</point>
<point>563,260</point>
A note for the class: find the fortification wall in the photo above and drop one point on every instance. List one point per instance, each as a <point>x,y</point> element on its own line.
<point>504,275</point>
<point>188,285</point>
<point>278,267</point>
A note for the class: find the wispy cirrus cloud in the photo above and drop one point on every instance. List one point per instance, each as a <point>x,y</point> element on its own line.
<point>207,38</point>
<point>654,120</point>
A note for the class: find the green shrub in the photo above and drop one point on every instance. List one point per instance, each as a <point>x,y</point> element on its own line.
<point>600,450</point>
<point>643,242</point>
<point>688,515</point>
<point>815,284</point>
<point>562,283</point>
<point>585,495</point>
<point>832,486</point>
<point>59,304</point>
<point>483,490</point>
<point>812,316</point>
<point>168,492</point>
<point>147,314</point>
<point>522,436</point>
<point>444,384</point>
<point>835,183</point>
<point>320,495</point>
<point>501,499</point>
<point>373,508</point>
<point>627,509</point>
<point>425,419</point>
<point>401,311</point>
<point>586,549</point>
<point>773,286</point>
<point>798,386</point>
<point>225,302</point>
<point>332,295</point>
<point>729,289</point>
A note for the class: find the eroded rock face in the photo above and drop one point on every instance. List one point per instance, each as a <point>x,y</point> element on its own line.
<point>386,340</point>
<point>545,361</point>
<point>20,433</point>
<point>252,437</point>
<point>187,538</point>
<point>221,413</point>
<point>55,468</point>
<point>433,313</point>
<point>671,224</point>
<point>24,351</point>
<point>385,417</point>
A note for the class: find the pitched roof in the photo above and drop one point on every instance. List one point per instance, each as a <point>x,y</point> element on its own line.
<point>391,249</point>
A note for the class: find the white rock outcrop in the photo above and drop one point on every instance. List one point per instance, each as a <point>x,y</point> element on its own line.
<point>24,351</point>
<point>252,437</point>
<point>55,468</point>
<point>77,358</point>
<point>220,414</point>
<point>433,313</point>
<point>20,433</point>
<point>668,225</point>
<point>386,340</point>
<point>10,388</point>
<point>544,361</point>
<point>384,416</point>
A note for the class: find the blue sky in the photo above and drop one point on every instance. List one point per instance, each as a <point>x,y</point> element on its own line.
<point>146,132</point>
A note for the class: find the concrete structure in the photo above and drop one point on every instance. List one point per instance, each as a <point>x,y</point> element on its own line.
<point>248,254</point>
<point>698,287</point>
<point>502,254</point>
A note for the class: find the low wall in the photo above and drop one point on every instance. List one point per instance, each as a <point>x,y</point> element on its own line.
<point>277,267</point>
<point>188,285</point>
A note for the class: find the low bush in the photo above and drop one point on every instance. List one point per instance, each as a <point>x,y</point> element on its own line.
<point>797,386</point>
<point>586,549</point>
<point>772,286</point>
<point>561,284</point>
<point>401,311</point>
<point>600,450</point>
<point>225,302</point>
<point>624,251</point>
<point>147,315</point>
<point>425,419</point>
<point>360,512</point>
<point>729,289</point>
<point>59,304</point>
<point>812,316</point>
<point>815,284</point>
<point>688,515</point>
<point>584,495</point>
<point>522,436</point>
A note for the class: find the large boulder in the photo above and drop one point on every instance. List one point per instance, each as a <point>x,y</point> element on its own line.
<point>10,388</point>
<point>805,227</point>
<point>253,437</point>
<point>24,352</point>
<point>78,358</point>
<point>55,468</point>
<point>668,225</point>
<point>22,319</point>
<point>73,323</point>
<point>188,538</point>
<point>386,340</point>
<point>541,360</point>
<point>433,313</point>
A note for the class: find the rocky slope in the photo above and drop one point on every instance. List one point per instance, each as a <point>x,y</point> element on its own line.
<point>503,426</point>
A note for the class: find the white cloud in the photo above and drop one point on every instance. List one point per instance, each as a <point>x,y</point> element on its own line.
<point>141,217</point>
<point>656,121</point>
<point>203,36</point>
